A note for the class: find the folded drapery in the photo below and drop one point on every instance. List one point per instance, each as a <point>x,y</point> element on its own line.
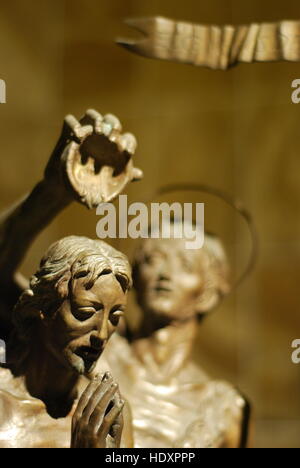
<point>216,47</point>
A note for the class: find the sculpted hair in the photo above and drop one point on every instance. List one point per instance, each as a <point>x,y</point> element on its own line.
<point>70,258</point>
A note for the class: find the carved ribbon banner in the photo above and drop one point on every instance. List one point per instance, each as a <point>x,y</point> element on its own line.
<point>216,47</point>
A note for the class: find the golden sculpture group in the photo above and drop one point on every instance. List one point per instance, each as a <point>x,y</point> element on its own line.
<point>75,375</point>
<point>56,390</point>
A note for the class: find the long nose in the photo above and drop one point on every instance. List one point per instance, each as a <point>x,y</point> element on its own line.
<point>103,331</point>
<point>96,342</point>
<point>100,336</point>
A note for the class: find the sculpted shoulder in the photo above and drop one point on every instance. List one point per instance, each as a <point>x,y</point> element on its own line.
<point>14,386</point>
<point>227,393</point>
<point>24,421</point>
<point>15,398</point>
<point>220,418</point>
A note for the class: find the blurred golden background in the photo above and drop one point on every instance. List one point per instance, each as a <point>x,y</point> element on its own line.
<point>236,130</point>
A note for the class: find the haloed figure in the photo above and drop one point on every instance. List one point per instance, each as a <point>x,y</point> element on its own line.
<point>174,403</point>
<point>62,324</point>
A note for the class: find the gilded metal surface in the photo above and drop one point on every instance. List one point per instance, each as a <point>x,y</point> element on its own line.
<point>174,403</point>
<point>185,409</point>
<point>25,422</point>
<point>57,326</point>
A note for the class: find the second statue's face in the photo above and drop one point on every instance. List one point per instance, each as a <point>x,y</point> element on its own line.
<point>85,321</point>
<point>169,279</point>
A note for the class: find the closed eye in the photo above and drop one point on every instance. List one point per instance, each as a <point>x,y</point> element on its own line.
<point>84,313</point>
<point>115,314</point>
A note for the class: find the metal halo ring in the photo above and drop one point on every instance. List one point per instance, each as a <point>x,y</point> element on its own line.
<point>230,201</point>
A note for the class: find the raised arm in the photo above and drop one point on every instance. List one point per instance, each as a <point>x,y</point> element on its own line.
<point>91,163</point>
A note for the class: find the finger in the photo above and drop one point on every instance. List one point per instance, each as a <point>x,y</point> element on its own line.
<point>94,118</point>
<point>75,127</point>
<point>106,376</point>
<point>110,419</point>
<point>96,398</point>
<point>85,397</point>
<point>69,154</point>
<point>137,174</point>
<point>102,406</point>
<point>117,426</point>
<point>128,143</point>
<point>111,124</point>
<point>117,429</point>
